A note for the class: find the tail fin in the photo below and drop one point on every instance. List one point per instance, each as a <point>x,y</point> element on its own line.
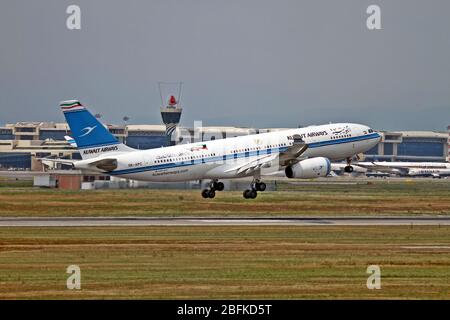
<point>70,141</point>
<point>92,138</point>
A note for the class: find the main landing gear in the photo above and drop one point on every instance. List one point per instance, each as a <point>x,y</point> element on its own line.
<point>255,187</point>
<point>348,168</point>
<point>211,191</point>
<point>248,194</point>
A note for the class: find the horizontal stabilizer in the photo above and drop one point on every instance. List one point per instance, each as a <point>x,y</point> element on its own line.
<point>105,165</point>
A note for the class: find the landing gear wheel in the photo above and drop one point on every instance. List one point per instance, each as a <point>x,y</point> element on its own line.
<point>219,186</point>
<point>348,169</point>
<point>250,194</point>
<point>205,193</point>
<point>211,193</point>
<point>261,186</point>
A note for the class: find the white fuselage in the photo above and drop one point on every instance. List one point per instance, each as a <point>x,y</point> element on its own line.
<point>418,172</point>
<point>216,159</point>
<point>421,165</point>
<point>406,168</point>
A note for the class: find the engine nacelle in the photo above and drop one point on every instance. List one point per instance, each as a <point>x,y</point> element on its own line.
<point>309,168</point>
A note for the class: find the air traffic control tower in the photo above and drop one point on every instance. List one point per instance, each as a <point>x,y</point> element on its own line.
<point>170,107</point>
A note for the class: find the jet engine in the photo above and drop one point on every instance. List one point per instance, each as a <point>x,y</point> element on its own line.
<point>309,168</point>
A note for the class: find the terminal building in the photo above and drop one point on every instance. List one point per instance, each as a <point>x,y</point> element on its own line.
<point>448,145</point>
<point>411,146</point>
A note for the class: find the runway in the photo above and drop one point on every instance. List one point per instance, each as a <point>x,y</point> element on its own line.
<point>221,221</point>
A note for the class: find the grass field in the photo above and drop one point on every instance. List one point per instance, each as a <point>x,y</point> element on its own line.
<point>366,198</point>
<point>283,262</point>
<point>225,262</point>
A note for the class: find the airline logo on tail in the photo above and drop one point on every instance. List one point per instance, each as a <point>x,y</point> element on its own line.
<point>88,130</point>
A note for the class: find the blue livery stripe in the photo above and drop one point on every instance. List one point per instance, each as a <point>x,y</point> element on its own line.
<point>343,140</point>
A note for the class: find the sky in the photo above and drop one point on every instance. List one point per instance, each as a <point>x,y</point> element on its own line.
<point>250,63</point>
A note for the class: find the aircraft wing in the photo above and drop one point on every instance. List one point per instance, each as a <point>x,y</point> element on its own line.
<point>278,160</point>
<point>293,153</point>
<point>255,164</point>
<point>383,168</point>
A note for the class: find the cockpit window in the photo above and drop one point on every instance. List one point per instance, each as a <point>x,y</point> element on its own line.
<point>370,130</point>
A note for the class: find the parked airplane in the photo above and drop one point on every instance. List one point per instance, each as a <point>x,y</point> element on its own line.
<point>301,153</point>
<point>70,141</point>
<point>403,168</point>
<point>435,173</point>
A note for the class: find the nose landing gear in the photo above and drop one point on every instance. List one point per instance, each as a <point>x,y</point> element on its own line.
<point>348,168</point>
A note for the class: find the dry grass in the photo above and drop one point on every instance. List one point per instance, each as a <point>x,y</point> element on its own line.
<point>225,262</point>
<point>381,198</point>
<point>228,262</point>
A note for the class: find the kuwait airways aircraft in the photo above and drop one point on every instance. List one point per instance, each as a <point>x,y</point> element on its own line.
<point>301,153</point>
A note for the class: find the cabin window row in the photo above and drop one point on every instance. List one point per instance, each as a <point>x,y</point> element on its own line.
<point>213,154</point>
<point>259,148</point>
<point>171,159</point>
<point>342,136</point>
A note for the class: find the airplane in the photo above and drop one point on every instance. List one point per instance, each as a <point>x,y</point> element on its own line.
<point>402,168</point>
<point>301,153</point>
<point>70,141</point>
<point>435,173</point>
